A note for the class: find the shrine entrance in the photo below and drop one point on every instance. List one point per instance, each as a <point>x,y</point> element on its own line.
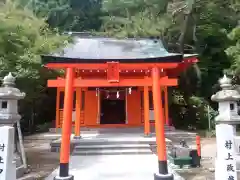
<point>113,112</point>
<point>113,107</point>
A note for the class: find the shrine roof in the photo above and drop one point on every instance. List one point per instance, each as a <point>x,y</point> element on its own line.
<point>91,49</point>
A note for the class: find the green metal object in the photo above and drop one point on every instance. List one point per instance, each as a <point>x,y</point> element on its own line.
<point>180,161</point>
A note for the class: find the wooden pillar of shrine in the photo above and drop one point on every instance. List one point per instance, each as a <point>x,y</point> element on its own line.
<point>78,113</point>
<point>146,111</point>
<point>66,127</point>
<point>166,113</point>
<point>57,122</point>
<point>162,173</point>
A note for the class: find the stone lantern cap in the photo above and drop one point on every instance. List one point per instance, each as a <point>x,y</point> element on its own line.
<point>228,92</point>
<point>8,91</point>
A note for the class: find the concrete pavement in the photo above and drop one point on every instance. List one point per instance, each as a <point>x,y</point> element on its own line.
<point>113,167</point>
<point>103,166</point>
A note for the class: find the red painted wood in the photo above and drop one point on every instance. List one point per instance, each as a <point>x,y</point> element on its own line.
<point>113,72</point>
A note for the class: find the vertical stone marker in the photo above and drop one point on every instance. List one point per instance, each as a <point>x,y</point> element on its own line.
<point>225,164</point>
<point>7,166</point>
<point>9,97</point>
<point>226,155</point>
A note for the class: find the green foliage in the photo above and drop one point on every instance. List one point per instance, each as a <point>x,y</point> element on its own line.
<point>193,111</point>
<point>67,15</point>
<point>23,38</point>
<point>135,18</point>
<point>183,25</point>
<point>216,19</point>
<point>208,28</point>
<point>234,50</point>
<point>204,112</point>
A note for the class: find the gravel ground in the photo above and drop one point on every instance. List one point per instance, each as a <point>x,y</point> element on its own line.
<point>40,159</point>
<point>206,172</point>
<point>42,162</point>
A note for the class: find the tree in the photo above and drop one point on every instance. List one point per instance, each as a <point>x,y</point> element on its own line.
<point>234,50</point>
<point>67,15</point>
<point>23,38</point>
<point>185,26</point>
<point>135,18</point>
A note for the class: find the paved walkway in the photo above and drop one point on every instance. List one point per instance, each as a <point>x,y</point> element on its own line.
<point>113,167</point>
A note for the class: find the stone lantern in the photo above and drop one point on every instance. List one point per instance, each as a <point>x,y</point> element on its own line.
<point>225,166</point>
<point>9,96</point>
<point>9,116</point>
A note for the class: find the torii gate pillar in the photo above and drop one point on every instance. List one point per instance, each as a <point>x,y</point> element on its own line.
<point>162,173</point>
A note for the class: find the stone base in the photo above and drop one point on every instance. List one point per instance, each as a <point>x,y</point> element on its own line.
<point>64,178</point>
<point>77,137</point>
<point>20,171</point>
<point>158,176</point>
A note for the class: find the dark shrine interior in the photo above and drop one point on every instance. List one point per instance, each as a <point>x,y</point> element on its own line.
<point>113,108</point>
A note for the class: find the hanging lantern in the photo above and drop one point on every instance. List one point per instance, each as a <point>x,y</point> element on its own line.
<point>118,95</point>
<point>130,90</point>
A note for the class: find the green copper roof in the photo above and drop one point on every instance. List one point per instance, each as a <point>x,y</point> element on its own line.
<point>101,49</point>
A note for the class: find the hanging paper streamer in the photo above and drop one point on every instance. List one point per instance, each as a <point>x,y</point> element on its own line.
<point>118,94</point>
<point>97,91</point>
<point>130,90</point>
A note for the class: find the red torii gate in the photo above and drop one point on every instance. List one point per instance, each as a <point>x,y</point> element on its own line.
<point>159,70</point>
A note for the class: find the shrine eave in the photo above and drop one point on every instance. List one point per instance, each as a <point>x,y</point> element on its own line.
<point>59,60</point>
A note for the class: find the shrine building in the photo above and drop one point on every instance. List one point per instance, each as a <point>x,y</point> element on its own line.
<point>100,101</point>
<point>110,82</point>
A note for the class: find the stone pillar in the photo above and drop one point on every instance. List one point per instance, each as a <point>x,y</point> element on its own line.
<point>9,96</point>
<point>225,167</point>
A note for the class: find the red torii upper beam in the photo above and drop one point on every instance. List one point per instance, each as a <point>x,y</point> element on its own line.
<point>164,81</point>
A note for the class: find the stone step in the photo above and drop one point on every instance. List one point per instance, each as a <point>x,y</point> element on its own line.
<point>112,152</point>
<point>112,130</point>
<point>103,142</point>
<point>55,145</point>
<point>111,146</point>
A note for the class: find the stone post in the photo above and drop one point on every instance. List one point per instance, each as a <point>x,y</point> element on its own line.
<point>225,164</point>
<point>7,167</point>
<point>9,96</point>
